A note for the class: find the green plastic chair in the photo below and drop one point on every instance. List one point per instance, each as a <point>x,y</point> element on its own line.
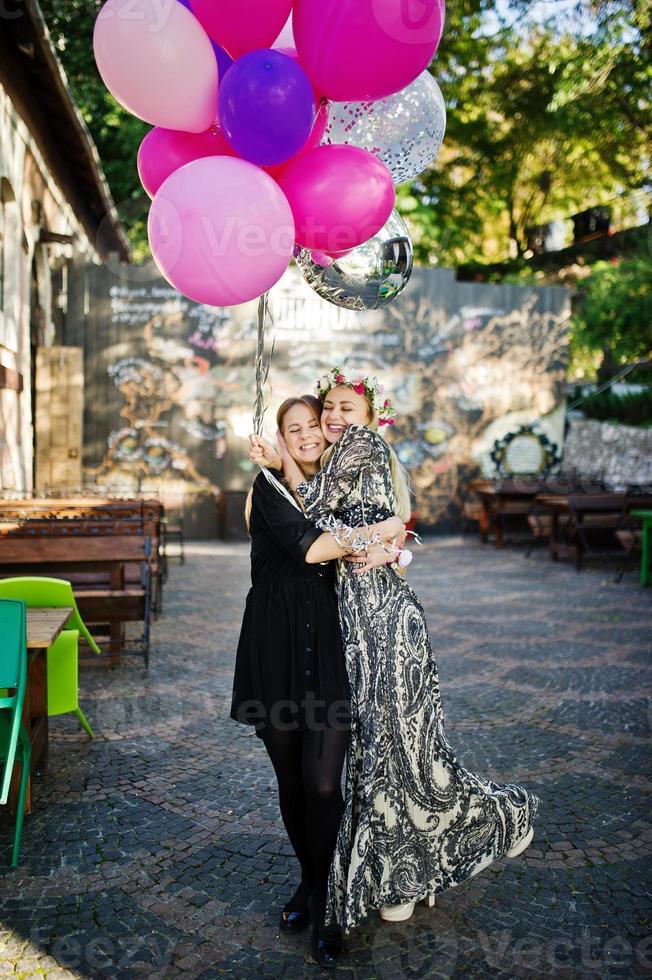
<point>62,656</point>
<point>14,740</point>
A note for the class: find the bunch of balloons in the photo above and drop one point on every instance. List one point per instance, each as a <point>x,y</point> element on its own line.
<point>280,129</point>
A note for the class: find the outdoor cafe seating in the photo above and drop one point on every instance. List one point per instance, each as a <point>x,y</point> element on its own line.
<point>76,573</point>
<point>113,551</point>
<point>579,519</point>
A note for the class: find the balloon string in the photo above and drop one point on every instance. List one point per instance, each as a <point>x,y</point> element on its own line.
<point>263,363</point>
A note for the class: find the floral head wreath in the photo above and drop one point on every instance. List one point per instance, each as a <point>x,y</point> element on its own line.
<point>363,386</point>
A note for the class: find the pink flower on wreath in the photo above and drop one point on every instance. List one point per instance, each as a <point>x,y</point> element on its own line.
<point>382,422</point>
<point>359,388</point>
<point>339,378</point>
<point>390,421</point>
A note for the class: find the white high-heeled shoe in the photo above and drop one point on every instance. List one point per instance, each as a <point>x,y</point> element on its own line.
<point>400,913</point>
<point>520,846</point>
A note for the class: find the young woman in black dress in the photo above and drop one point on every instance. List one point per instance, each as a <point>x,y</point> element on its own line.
<point>290,676</point>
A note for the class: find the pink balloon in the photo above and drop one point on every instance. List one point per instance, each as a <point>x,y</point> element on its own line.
<point>321,258</point>
<point>363,50</point>
<point>165,150</point>
<point>221,231</point>
<point>339,199</point>
<point>156,60</point>
<point>242,25</point>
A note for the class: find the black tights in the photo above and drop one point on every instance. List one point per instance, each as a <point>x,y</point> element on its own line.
<point>310,797</point>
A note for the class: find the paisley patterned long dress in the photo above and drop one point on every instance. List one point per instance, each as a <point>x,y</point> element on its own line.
<point>416,822</point>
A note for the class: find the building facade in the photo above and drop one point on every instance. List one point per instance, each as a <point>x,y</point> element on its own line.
<point>55,212</point>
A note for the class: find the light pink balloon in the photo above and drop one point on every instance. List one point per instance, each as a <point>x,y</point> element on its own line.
<point>221,231</point>
<point>363,50</point>
<point>158,62</point>
<point>242,25</point>
<point>286,37</point>
<point>165,150</point>
<point>339,199</point>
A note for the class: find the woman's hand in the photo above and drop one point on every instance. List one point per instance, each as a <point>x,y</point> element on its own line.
<point>283,451</point>
<point>392,528</point>
<point>377,556</point>
<point>264,454</point>
<point>293,473</point>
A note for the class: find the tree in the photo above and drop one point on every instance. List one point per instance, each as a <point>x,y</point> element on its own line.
<point>544,119</point>
<point>115,131</point>
<point>613,313</point>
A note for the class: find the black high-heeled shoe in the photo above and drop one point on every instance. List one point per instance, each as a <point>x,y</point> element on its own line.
<point>326,941</point>
<point>326,945</point>
<point>296,914</point>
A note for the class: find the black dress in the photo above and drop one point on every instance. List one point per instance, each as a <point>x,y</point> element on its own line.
<point>290,672</point>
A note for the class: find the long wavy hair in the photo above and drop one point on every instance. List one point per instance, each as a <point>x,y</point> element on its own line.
<point>401,484</point>
<point>315,407</point>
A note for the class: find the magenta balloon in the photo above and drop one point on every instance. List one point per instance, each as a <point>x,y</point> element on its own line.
<point>221,231</point>
<point>165,150</point>
<point>242,25</point>
<point>339,199</point>
<point>156,60</point>
<point>363,50</point>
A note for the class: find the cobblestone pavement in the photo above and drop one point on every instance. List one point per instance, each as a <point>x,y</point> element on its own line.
<point>157,849</point>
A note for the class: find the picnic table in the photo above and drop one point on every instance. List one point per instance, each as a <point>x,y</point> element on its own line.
<point>504,503</point>
<point>646,517</point>
<point>43,627</point>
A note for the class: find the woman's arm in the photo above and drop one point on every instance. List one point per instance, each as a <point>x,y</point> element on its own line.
<point>326,547</point>
<point>329,488</point>
<point>290,529</point>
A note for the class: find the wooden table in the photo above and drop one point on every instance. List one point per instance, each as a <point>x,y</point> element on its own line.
<point>499,500</point>
<point>43,627</point>
<point>646,517</point>
<point>556,504</point>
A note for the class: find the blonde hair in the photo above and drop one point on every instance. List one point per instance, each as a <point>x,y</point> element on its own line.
<point>401,483</point>
<point>315,407</point>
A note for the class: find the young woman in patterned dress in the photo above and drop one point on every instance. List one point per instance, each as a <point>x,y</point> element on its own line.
<point>290,679</point>
<point>416,822</point>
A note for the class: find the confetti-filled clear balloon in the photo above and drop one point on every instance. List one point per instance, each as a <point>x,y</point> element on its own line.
<point>370,276</point>
<point>405,130</point>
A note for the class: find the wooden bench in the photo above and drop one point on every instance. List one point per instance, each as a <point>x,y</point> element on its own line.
<point>97,567</point>
<point>93,516</point>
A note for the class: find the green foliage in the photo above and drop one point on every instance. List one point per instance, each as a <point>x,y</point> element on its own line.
<point>634,408</point>
<point>116,132</point>
<point>614,310</point>
<point>544,119</point>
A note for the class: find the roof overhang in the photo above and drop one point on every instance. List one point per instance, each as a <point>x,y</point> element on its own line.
<point>34,78</point>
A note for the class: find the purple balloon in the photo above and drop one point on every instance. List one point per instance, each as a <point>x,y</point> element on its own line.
<point>186,4</point>
<point>224,60</point>
<point>266,107</point>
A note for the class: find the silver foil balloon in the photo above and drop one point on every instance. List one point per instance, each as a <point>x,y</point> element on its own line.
<point>405,130</point>
<point>370,276</point>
